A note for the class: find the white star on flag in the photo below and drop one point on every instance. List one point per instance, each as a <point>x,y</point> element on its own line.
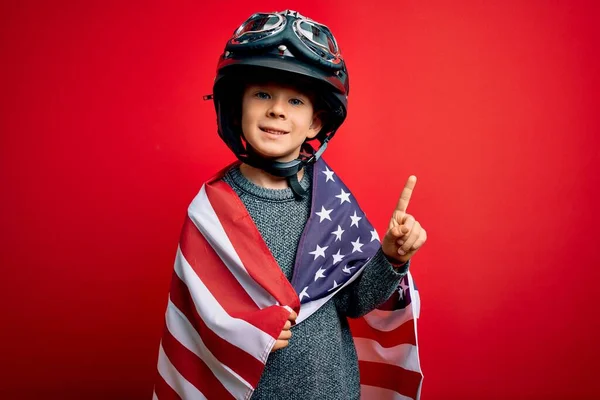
<point>319,252</point>
<point>338,233</point>
<point>355,218</point>
<point>303,293</point>
<point>329,174</point>
<point>343,196</point>
<point>335,284</point>
<point>356,245</point>
<point>402,289</point>
<point>374,235</point>
<point>324,214</point>
<point>337,257</point>
<point>347,270</point>
<point>319,273</point>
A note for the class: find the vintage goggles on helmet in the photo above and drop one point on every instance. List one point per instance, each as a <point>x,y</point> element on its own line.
<point>312,40</point>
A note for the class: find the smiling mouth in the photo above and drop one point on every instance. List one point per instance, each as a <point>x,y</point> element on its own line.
<point>273,131</point>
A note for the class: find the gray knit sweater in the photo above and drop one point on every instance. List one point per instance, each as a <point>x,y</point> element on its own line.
<point>320,361</point>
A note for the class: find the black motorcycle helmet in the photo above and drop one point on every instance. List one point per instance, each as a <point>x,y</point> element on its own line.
<point>282,46</point>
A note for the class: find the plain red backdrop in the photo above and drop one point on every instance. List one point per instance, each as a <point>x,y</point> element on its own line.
<point>105,140</point>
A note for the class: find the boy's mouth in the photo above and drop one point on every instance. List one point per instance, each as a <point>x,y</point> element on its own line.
<point>273,131</point>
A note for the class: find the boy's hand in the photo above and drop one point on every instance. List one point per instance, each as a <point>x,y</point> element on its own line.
<point>405,235</point>
<point>286,333</point>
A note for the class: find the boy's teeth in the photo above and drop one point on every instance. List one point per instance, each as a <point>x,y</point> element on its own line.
<point>274,132</point>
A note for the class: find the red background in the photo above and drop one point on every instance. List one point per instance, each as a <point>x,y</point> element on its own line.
<point>105,140</point>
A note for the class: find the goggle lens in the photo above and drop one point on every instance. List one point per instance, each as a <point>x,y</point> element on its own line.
<point>318,38</point>
<point>318,35</point>
<point>257,27</point>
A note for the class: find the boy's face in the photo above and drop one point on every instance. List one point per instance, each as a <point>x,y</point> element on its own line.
<point>277,119</point>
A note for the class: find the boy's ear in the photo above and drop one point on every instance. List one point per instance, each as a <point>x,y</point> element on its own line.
<point>316,126</point>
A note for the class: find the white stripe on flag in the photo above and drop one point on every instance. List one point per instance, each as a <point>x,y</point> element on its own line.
<point>204,217</point>
<point>377,393</point>
<point>384,320</point>
<point>180,385</point>
<point>236,331</point>
<point>416,306</point>
<point>414,296</point>
<point>403,355</point>
<point>184,332</point>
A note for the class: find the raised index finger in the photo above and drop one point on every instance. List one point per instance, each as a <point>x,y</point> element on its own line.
<point>406,193</point>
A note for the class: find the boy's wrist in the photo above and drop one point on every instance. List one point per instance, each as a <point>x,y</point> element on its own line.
<point>396,263</point>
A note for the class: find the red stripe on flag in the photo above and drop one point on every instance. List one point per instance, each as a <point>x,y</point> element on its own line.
<point>212,271</point>
<point>404,334</point>
<point>235,358</point>
<point>163,390</point>
<point>193,368</point>
<point>249,244</point>
<point>390,377</point>
<point>223,285</point>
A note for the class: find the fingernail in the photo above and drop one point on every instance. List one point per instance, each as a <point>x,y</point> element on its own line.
<point>401,252</point>
<point>400,242</point>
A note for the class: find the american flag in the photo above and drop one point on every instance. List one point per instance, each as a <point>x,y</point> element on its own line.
<point>229,300</point>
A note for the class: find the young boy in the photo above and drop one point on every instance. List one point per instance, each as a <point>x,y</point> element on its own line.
<point>260,299</point>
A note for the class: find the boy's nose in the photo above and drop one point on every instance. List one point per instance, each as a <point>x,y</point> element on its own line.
<point>276,110</point>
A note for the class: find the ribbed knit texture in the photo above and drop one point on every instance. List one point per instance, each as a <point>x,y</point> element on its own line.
<point>320,361</point>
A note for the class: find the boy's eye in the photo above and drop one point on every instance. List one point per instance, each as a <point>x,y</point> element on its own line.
<point>262,95</point>
<point>296,102</point>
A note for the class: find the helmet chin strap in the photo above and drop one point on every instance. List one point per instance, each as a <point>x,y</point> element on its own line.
<point>288,170</point>
<point>297,189</point>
